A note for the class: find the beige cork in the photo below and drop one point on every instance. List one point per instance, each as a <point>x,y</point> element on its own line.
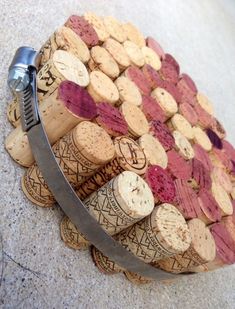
<point>151,58</point>
<point>67,40</point>
<point>135,53</point>
<point>115,28</point>
<point>179,123</point>
<point>233,193</point>
<point>62,66</point>
<point>134,35</point>
<point>128,91</point>
<point>102,89</point>
<point>154,151</point>
<point>136,278</point>
<point>98,25</point>
<point>129,157</point>
<point>182,145</point>
<point>166,101</point>
<point>204,102</point>
<point>118,52</point>
<point>222,198</point>
<point>103,61</point>
<point>80,153</point>
<point>135,118</point>
<point>13,112</point>
<point>220,176</point>
<point>201,138</point>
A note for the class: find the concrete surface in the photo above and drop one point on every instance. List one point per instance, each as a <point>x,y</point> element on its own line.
<point>37,270</point>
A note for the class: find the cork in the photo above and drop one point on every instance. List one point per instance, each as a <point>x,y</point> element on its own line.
<point>152,43</point>
<point>67,40</point>
<point>218,128</point>
<point>202,155</point>
<point>189,113</point>
<point>181,124</point>
<point>189,82</point>
<point>229,223</point>
<point>135,118</point>
<point>171,60</point>
<point>98,25</point>
<point>134,35</point>
<point>220,177</point>
<point>128,91</point>
<point>103,61</point>
<point>135,54</point>
<point>186,91</point>
<point>162,133</point>
<point>210,209</point>
<point>129,157</point>
<point>152,109</point>
<point>222,198</point>
<point>111,120</point>
<point>168,72</point>
<point>13,112</point>
<point>201,138</point>
<point>220,158</point>
<point>80,153</point>
<point>183,146</point>
<point>83,29</point>
<point>178,166</point>
<point>115,29</point>
<point>154,151</point>
<point>101,88</point>
<point>60,112</point>
<point>138,77</point>
<point>162,234</point>
<point>214,138</point>
<point>151,57</point>
<point>152,76</point>
<point>136,278</point>
<point>205,103</point>
<point>166,101</point>
<point>172,89</point>
<point>229,149</point>
<point>118,52</point>
<point>202,250</point>
<point>200,177</point>
<point>62,66</point>
<point>161,184</point>
<point>205,120</point>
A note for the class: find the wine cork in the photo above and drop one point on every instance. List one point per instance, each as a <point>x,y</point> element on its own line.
<point>183,146</point>
<point>204,102</point>
<point>62,66</point>
<point>98,25</point>
<point>134,53</point>
<point>154,151</point>
<point>162,133</point>
<point>229,223</point>
<point>60,112</point>
<point>210,208</point>
<point>219,176</point>
<point>172,89</point>
<point>222,198</point>
<point>190,83</point>
<point>13,112</point>
<point>151,57</point>
<point>202,156</point>
<point>129,157</point>
<point>136,278</point>
<point>80,153</point>
<point>135,118</point>
<point>220,158</point>
<point>178,166</point>
<point>204,119</point>
<point>161,184</point>
<point>202,250</point>
<point>170,59</point>
<point>169,72</point>
<point>214,138</point>
<point>166,101</point>
<point>103,61</point>
<point>137,76</point>
<point>186,200</point>
<point>115,29</point>
<point>189,113</point>
<point>200,177</point>
<point>152,76</point>
<point>83,29</point>
<point>229,149</point>
<point>181,124</point>
<point>128,91</point>
<point>218,128</point>
<point>201,138</point>
<point>186,91</point>
<point>118,52</point>
<point>162,234</point>
<point>101,88</point>
<point>134,35</point>
<point>152,109</point>
<point>64,39</point>
<point>152,43</point>
<point>111,120</point>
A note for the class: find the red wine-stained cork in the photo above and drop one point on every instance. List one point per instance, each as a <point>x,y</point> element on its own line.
<point>222,198</point>
<point>202,155</point>
<point>220,176</point>
<point>137,76</point>
<point>210,208</point>
<point>161,184</point>
<point>218,128</point>
<point>205,120</point>
<point>168,72</point>
<point>178,166</point>
<point>189,82</point>
<point>152,43</point>
<point>229,149</point>
<point>200,177</point>
<point>172,89</point>
<point>220,158</point>
<point>187,94</point>
<point>187,200</point>
<point>98,25</point>
<point>85,30</point>
<point>152,109</point>
<point>110,119</point>
<point>152,76</point>
<point>162,133</point>
<point>214,138</point>
<point>189,113</point>
<point>170,59</point>
<point>229,223</point>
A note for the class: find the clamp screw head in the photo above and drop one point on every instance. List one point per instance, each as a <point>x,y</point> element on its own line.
<point>18,79</point>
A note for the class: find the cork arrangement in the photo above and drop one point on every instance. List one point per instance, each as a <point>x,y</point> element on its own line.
<point>139,143</point>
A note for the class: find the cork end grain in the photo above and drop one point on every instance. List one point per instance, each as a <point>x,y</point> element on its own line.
<point>128,91</point>
<point>166,101</point>
<point>183,146</point>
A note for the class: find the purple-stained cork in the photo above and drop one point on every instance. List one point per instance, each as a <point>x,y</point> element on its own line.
<point>204,118</point>
<point>178,166</point>
<point>152,109</point>
<point>169,72</point>
<point>170,59</point>
<point>154,45</point>
<point>187,94</point>
<point>200,174</point>
<point>172,89</point>
<point>202,155</point>
<point>138,77</point>
<point>111,119</point>
<point>229,149</point>
<point>77,100</point>
<point>83,29</point>
<point>217,127</point>
<point>209,206</point>
<point>214,138</point>
<point>152,76</point>
<point>189,113</point>
<point>189,82</point>
<point>163,134</point>
<point>223,157</point>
